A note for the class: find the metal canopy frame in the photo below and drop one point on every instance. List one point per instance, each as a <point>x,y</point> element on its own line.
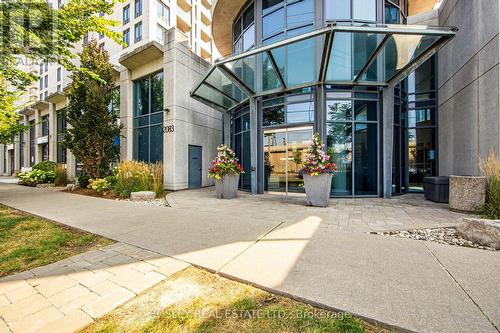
<point>442,35</point>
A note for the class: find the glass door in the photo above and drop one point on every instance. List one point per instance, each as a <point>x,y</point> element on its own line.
<point>284,151</point>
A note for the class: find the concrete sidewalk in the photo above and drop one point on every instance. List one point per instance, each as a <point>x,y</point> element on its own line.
<point>323,256</point>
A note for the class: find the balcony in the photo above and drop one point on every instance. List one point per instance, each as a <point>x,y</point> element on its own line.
<point>185,5</point>
<point>206,17</point>
<point>207,3</point>
<point>206,33</point>
<point>183,20</point>
<point>206,50</point>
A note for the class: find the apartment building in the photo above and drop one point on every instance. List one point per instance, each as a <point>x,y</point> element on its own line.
<point>168,47</point>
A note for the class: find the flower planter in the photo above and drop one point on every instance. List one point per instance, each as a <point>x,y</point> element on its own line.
<point>467,193</point>
<point>227,187</point>
<point>318,189</point>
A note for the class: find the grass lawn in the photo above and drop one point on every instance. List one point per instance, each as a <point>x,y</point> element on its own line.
<point>197,301</point>
<point>27,241</point>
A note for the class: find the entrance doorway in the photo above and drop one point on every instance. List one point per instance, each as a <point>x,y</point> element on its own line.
<point>195,166</point>
<point>284,152</point>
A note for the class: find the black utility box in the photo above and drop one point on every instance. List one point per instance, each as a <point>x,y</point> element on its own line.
<point>437,188</point>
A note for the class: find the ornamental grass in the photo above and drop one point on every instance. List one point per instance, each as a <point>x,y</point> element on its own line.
<point>131,176</point>
<point>156,171</point>
<point>491,169</point>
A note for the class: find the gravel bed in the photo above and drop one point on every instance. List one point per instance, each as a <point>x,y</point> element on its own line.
<point>439,235</point>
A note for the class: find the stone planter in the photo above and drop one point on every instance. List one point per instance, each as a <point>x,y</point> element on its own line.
<point>318,189</point>
<point>467,193</point>
<point>142,196</point>
<point>227,187</point>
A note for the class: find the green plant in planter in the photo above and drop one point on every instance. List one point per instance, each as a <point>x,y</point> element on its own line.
<point>35,177</point>
<point>226,162</point>
<point>491,169</point>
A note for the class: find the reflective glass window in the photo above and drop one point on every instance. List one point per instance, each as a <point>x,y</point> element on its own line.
<point>338,10</point>
<point>365,110</point>
<point>339,147</point>
<point>365,159</point>
<point>299,13</point>
<point>365,10</point>
<point>300,112</point>
<point>273,23</point>
<point>270,5</point>
<point>339,110</point>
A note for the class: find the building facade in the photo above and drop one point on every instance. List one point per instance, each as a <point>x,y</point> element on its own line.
<point>169,46</point>
<point>292,68</point>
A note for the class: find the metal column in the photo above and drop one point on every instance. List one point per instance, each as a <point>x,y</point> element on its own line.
<point>387,139</point>
<point>253,143</point>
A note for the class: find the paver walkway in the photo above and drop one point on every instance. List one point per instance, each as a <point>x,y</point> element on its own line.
<point>70,294</point>
<point>323,256</point>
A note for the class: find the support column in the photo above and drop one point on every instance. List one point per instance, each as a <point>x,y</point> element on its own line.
<point>52,133</point>
<point>126,115</point>
<point>226,126</point>
<point>3,171</point>
<point>38,133</point>
<point>26,156</point>
<point>17,152</point>
<point>387,139</point>
<point>260,149</point>
<point>253,143</point>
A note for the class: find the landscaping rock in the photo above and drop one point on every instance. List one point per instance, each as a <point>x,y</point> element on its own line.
<point>467,193</point>
<point>72,187</point>
<point>484,232</point>
<point>142,196</point>
<point>47,185</point>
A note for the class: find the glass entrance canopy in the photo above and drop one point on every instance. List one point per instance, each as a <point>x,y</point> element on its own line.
<point>338,54</point>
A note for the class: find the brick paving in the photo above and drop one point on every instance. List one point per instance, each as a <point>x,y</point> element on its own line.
<point>70,294</point>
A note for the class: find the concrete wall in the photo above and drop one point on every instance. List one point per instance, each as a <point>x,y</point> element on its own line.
<point>468,74</point>
<point>194,123</point>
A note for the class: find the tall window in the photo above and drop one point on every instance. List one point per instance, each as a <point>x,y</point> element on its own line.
<point>241,144</point>
<point>32,139</point>
<point>347,10</point>
<point>21,149</point>
<point>148,118</point>
<point>138,32</point>
<point>138,8</point>
<point>126,14</point>
<point>126,37</point>
<point>61,130</point>
<point>244,31</point>
<point>45,125</point>
<point>160,33</point>
<point>59,74</point>
<point>352,141</point>
<point>163,12</point>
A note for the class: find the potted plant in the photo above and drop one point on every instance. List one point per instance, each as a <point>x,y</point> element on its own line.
<point>226,171</point>
<point>317,171</point>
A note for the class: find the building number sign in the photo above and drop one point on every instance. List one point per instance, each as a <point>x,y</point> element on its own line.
<point>168,129</point>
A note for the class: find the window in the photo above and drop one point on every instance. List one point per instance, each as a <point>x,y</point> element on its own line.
<point>138,8</point>
<point>41,83</point>
<point>41,68</point>
<point>59,88</point>
<point>126,14</point>
<point>46,66</point>
<point>61,130</point>
<point>45,125</point>
<point>365,10</point>
<point>46,81</point>
<point>58,74</point>
<point>160,33</point>
<point>163,12</point>
<point>32,139</point>
<point>138,32</point>
<point>338,10</point>
<point>126,37</point>
<point>244,31</point>
<point>341,10</point>
<point>148,118</point>
<point>41,97</point>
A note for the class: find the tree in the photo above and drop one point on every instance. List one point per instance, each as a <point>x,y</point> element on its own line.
<point>93,123</point>
<point>32,30</point>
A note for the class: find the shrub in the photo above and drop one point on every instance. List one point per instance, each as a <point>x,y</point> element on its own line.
<point>61,175</point>
<point>131,176</point>
<point>83,180</point>
<point>112,180</point>
<point>45,166</point>
<point>99,185</point>
<point>491,169</point>
<point>156,171</point>
<point>35,177</point>
<point>317,161</point>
